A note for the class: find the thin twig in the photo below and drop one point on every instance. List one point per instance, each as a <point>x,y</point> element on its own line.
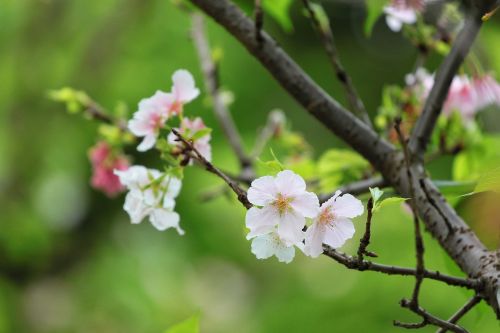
<point>471,303</point>
<point>274,122</point>
<point>358,187</point>
<point>425,125</point>
<point>353,263</point>
<point>242,195</point>
<point>210,75</point>
<point>419,243</point>
<point>428,318</point>
<point>365,240</point>
<point>326,34</point>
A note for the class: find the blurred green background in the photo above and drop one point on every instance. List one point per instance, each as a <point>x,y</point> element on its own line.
<point>70,260</point>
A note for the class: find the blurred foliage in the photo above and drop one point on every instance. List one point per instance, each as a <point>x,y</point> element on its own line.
<point>70,260</point>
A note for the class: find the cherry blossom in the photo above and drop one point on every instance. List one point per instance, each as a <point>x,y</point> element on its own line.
<point>188,129</point>
<point>151,193</point>
<point>104,161</point>
<point>156,110</point>
<point>401,12</point>
<point>333,225</point>
<point>150,118</point>
<point>466,95</point>
<point>271,244</point>
<point>285,205</point>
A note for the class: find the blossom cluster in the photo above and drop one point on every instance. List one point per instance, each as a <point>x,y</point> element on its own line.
<point>152,193</point>
<point>278,219</point>
<point>466,95</point>
<point>400,12</point>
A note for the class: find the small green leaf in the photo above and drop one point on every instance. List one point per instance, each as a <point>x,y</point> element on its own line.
<point>280,11</point>
<point>190,325</point>
<point>376,195</point>
<point>374,9</point>
<point>201,133</point>
<point>321,16</point>
<point>389,201</point>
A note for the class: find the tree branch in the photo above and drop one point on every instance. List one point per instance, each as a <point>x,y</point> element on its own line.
<point>358,187</point>
<point>241,194</point>
<point>365,240</point>
<point>210,75</point>
<point>422,131</point>
<point>462,312</point>
<point>326,34</point>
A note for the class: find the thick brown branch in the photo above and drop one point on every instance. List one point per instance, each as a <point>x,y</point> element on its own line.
<point>326,34</point>
<point>210,75</point>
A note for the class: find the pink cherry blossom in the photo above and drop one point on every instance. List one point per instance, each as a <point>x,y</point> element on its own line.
<point>333,225</point>
<point>285,205</point>
<point>188,129</point>
<point>487,91</point>
<point>155,111</point>
<point>104,161</point>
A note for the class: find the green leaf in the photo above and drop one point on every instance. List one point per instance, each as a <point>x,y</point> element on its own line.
<point>321,16</point>
<point>490,181</point>
<point>389,202</point>
<point>201,133</point>
<point>374,9</point>
<point>190,325</point>
<point>279,10</point>
<point>337,166</point>
<point>376,195</point>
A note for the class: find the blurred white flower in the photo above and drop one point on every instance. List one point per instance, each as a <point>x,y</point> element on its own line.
<point>333,225</point>
<point>151,193</point>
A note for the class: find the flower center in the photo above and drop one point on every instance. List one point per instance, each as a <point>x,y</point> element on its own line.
<point>282,203</point>
<point>326,216</point>
<point>176,108</point>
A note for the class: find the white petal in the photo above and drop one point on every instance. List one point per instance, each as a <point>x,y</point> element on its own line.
<point>338,232</point>
<point>314,240</point>
<point>289,183</point>
<point>285,253</point>
<point>262,191</point>
<point>307,204</point>
<point>133,177</point>
<point>173,186</point>
<point>163,219</point>
<point>184,87</point>
<point>261,221</point>
<point>147,143</point>
<point>263,246</point>
<point>347,206</point>
<point>135,207</point>
<point>290,228</point>
<point>393,23</point>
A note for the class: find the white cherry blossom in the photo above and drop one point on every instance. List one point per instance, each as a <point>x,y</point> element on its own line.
<point>151,193</point>
<point>285,205</point>
<point>333,225</point>
<point>401,12</point>
<point>183,90</point>
<point>271,244</point>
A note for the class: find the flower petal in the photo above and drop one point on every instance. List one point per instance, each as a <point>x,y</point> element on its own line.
<point>263,246</point>
<point>347,206</point>
<point>307,204</point>
<point>261,221</point>
<point>314,240</point>
<point>338,232</point>
<point>262,191</point>
<point>163,219</point>
<point>184,87</point>
<point>147,143</point>
<point>289,183</point>
<point>290,228</point>
<point>284,253</point>
<point>135,207</point>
